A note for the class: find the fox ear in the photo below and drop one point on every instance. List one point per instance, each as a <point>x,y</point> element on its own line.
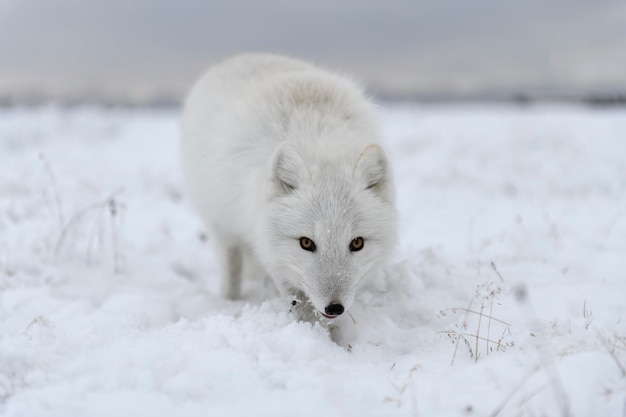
<point>285,167</point>
<point>372,170</point>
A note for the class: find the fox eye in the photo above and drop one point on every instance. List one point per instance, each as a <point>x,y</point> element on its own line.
<point>357,244</point>
<point>307,244</point>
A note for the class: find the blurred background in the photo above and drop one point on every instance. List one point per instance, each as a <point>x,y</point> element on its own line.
<point>150,52</point>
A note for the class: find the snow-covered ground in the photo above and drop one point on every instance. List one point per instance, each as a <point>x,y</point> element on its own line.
<point>507,297</point>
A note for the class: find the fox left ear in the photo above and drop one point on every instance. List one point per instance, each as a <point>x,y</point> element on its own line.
<point>285,169</point>
<point>372,169</point>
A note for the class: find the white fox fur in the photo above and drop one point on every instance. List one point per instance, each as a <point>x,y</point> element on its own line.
<point>276,149</point>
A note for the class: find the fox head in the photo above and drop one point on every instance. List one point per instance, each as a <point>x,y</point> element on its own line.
<point>328,223</point>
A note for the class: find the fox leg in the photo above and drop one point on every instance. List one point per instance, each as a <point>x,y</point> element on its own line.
<point>232,266</point>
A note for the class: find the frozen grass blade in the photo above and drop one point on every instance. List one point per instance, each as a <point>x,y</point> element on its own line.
<point>55,189</point>
<point>611,352</point>
<point>545,355</point>
<point>514,391</point>
<point>456,347</point>
<point>111,207</point>
<point>480,318</point>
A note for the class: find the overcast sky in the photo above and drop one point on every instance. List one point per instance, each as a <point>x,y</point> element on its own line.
<point>142,49</point>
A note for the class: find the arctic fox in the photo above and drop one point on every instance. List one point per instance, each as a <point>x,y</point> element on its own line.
<point>282,160</point>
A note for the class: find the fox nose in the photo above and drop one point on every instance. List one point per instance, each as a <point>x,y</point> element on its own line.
<point>334,309</point>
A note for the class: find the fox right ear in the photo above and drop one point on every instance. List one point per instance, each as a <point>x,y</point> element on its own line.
<point>285,167</point>
<point>372,169</point>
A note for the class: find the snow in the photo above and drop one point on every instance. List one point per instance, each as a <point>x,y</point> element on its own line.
<point>108,288</point>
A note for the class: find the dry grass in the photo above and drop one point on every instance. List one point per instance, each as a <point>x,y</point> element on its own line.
<point>401,388</point>
<point>55,189</point>
<point>473,332</point>
<point>96,225</point>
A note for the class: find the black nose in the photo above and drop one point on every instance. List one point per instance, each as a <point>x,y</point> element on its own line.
<point>334,309</point>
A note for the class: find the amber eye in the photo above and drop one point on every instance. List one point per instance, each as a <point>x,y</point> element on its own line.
<point>307,244</point>
<point>357,244</point>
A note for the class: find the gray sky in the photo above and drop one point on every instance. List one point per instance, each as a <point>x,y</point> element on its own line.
<point>143,49</point>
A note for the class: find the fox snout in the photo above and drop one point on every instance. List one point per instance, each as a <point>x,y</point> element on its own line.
<point>334,303</point>
<point>333,310</point>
